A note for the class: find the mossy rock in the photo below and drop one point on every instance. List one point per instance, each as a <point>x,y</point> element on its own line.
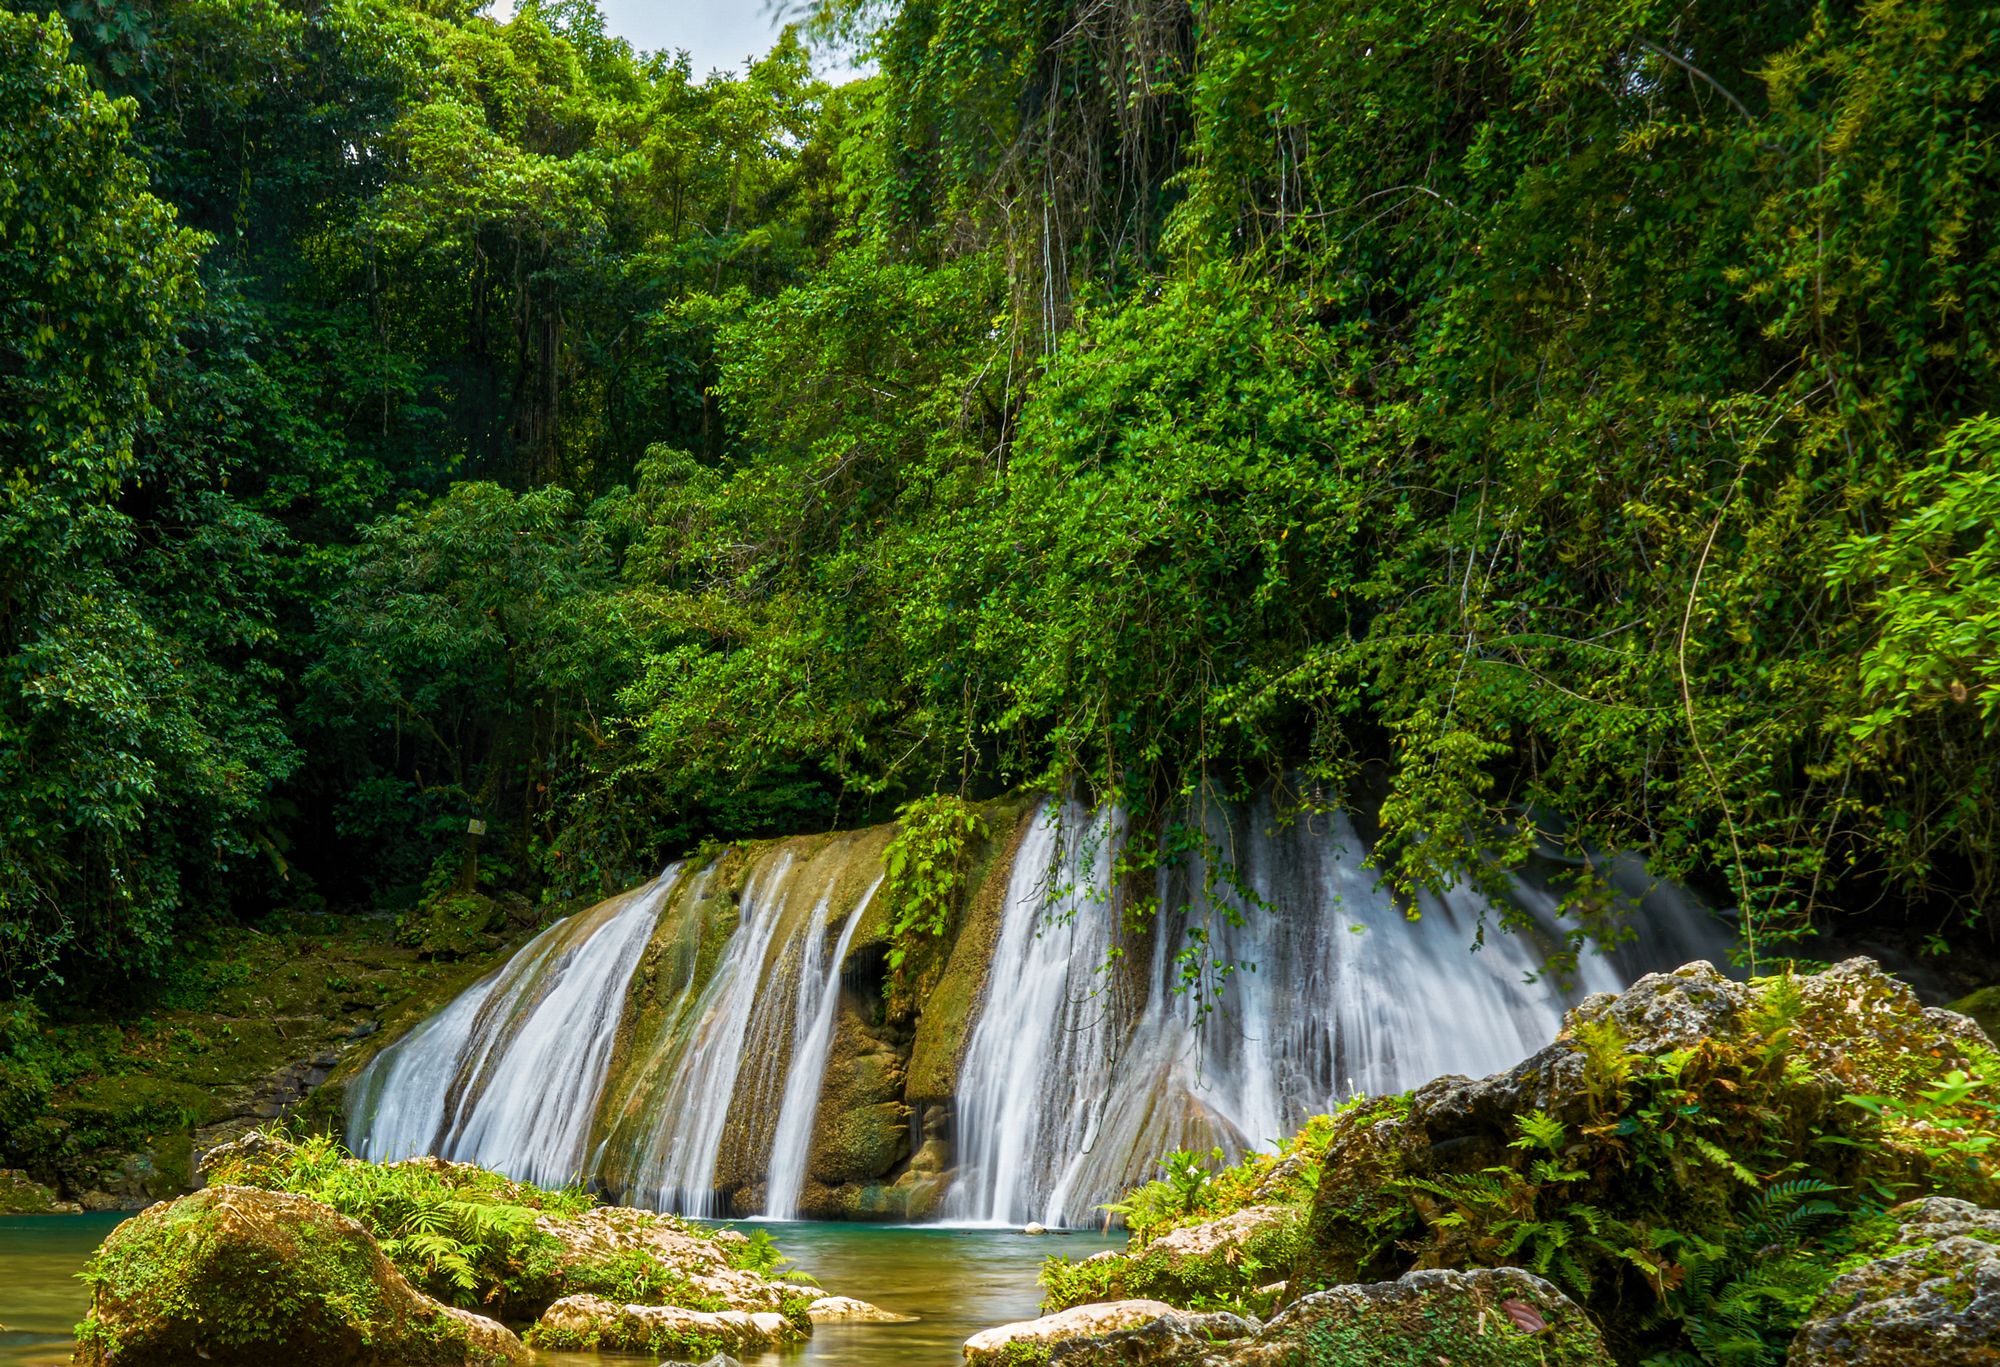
<point>1220,1262</point>
<point>452,925</point>
<point>240,1277</point>
<point>1984,1007</point>
<point>592,1324</point>
<point>22,1195</point>
<point>1101,1335</point>
<point>1494,1317</point>
<point>950,1006</point>
<point>1932,1301</point>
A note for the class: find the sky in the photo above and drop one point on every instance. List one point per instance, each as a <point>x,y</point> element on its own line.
<point>716,33</point>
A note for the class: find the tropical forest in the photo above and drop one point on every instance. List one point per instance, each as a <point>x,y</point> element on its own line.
<point>1194,683</point>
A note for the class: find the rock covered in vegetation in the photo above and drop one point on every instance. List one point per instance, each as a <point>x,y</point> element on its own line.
<point>1492,1317</point>
<point>241,1277</point>
<point>516,1248</point>
<point>1204,1237</point>
<point>678,1264</point>
<point>1106,1332</point>
<point>1933,1302</point>
<point>1197,1263</point>
<point>1732,1070</point>
<point>20,1194</point>
<point>593,1324</point>
<point>1983,1006</point>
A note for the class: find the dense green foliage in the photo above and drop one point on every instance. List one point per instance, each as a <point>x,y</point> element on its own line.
<point>1538,422</point>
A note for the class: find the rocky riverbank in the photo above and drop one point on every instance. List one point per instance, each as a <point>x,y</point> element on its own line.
<point>1696,1167</point>
<point>302,1252</point>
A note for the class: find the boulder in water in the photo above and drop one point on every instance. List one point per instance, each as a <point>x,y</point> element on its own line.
<point>593,1324</point>
<point>847,1310</point>
<point>240,1277</point>
<point>1934,1303</point>
<point>601,1246</point>
<point>1097,1335</point>
<point>1494,1317</point>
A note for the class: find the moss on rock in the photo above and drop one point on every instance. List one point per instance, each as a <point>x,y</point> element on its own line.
<point>452,925</point>
<point>1932,1300</point>
<point>1500,1317</point>
<point>1221,1263</point>
<point>950,1003</point>
<point>1984,1007</point>
<point>22,1195</point>
<point>587,1323</point>
<point>241,1277</point>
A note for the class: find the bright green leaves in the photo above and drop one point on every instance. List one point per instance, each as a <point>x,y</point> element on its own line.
<point>925,869</point>
<point>93,271</point>
<point>1935,575</point>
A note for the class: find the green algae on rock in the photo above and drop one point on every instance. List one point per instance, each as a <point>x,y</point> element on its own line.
<point>586,1323</point>
<point>1099,1334</point>
<point>22,1195</point>
<point>241,1277</point>
<point>1491,1317</point>
<point>1932,1300</point>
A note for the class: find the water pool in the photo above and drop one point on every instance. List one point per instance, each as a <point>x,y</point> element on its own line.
<point>958,1281</point>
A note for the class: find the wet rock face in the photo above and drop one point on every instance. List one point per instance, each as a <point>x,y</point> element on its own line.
<point>1935,1304</point>
<point>1499,1317</point>
<point>594,1324</point>
<point>862,1129</point>
<point>240,1277</point>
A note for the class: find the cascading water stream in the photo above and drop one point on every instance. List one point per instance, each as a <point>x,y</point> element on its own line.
<point>1276,979</point>
<point>686,1138</point>
<point>1248,1019</point>
<point>1029,1088</point>
<point>812,1039</point>
<point>509,1074</point>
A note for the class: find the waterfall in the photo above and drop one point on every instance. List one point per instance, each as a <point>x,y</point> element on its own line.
<point>1036,1071</point>
<point>685,1140</point>
<point>509,1074</point>
<point>812,1038</point>
<point>1076,1080</point>
<point>674,1045</point>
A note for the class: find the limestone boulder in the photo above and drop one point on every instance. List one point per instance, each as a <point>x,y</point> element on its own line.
<point>1495,1317</point>
<point>1852,1029</point>
<point>695,1260</point>
<point>595,1325</point>
<point>1139,1332</point>
<point>847,1310</point>
<point>240,1277</point>
<point>1933,1303</point>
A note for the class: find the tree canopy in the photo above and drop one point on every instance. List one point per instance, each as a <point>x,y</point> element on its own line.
<point>1537,423</point>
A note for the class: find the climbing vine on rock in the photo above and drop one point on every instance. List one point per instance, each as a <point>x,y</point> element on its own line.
<point>925,868</point>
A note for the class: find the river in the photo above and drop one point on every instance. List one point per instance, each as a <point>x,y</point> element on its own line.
<point>958,1281</point>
